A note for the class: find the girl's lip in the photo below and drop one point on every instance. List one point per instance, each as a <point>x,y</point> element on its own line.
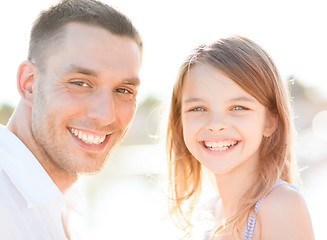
<point>219,147</point>
<point>217,139</point>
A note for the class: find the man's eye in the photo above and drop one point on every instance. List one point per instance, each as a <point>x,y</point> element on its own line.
<point>81,84</point>
<point>123,90</point>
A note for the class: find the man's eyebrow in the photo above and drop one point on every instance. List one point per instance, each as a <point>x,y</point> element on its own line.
<point>132,81</point>
<point>72,68</point>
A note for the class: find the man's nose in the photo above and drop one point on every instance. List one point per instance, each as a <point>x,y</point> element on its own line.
<point>102,108</point>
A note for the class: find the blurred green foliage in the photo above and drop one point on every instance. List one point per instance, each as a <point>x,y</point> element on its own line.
<point>6,111</point>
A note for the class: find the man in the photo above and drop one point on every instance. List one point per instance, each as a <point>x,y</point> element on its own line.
<point>78,96</point>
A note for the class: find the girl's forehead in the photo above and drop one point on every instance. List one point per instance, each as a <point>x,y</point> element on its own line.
<point>203,77</point>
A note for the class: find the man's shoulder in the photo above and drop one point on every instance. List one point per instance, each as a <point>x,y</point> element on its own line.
<point>9,205</point>
<point>8,191</point>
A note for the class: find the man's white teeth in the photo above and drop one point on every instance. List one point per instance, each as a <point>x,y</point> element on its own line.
<point>86,137</point>
<point>220,146</point>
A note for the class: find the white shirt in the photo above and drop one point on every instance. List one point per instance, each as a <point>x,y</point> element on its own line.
<point>30,203</point>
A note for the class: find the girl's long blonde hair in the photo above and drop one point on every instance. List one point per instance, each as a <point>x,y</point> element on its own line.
<point>248,65</point>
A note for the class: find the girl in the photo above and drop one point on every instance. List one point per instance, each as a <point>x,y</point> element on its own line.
<point>230,114</point>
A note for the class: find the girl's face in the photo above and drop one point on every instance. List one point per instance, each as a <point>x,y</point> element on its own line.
<point>223,125</point>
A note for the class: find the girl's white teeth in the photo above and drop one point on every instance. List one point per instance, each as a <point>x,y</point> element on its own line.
<point>96,139</point>
<point>86,137</point>
<point>220,146</point>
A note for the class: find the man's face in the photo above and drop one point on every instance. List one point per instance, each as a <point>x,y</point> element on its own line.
<point>84,100</point>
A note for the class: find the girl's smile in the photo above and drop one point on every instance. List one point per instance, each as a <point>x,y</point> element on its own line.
<point>219,146</point>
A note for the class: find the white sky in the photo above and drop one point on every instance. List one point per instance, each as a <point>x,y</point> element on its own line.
<point>294,33</point>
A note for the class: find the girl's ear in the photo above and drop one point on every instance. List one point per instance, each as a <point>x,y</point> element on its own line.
<point>271,124</point>
<point>25,81</point>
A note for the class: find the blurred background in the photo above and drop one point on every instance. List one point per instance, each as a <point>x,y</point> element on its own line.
<point>127,199</point>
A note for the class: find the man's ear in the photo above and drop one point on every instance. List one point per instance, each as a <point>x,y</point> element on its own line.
<point>271,124</point>
<point>25,81</point>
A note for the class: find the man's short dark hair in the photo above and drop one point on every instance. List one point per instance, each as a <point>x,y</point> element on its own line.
<point>48,28</point>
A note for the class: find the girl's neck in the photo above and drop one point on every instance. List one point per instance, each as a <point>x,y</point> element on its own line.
<point>231,188</point>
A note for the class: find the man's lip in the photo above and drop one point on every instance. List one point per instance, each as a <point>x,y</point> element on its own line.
<point>100,146</point>
<point>93,132</point>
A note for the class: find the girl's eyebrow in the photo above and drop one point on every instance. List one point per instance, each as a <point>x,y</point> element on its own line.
<point>193,99</point>
<point>236,99</point>
<point>243,99</point>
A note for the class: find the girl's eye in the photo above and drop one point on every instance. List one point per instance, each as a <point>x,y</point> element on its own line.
<point>123,90</point>
<point>238,108</point>
<point>198,109</point>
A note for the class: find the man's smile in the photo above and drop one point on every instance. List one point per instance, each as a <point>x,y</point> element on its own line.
<point>87,137</point>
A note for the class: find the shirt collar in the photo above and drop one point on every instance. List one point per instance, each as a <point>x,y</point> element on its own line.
<point>25,171</point>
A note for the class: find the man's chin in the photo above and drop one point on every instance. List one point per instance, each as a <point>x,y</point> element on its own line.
<point>89,172</point>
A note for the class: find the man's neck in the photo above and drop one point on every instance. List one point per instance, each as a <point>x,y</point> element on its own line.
<point>21,128</point>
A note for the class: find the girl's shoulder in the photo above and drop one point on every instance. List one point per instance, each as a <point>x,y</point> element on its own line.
<point>281,196</point>
<point>284,215</point>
